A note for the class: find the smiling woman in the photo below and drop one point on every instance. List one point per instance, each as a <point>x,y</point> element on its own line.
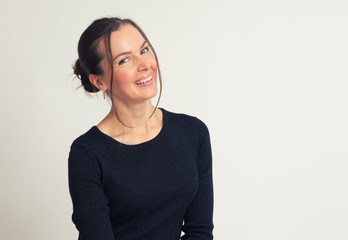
<point>132,65</point>
<point>142,172</point>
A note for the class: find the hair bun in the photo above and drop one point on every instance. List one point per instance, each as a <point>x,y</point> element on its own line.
<point>80,73</point>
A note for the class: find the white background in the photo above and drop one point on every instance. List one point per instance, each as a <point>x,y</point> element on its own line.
<point>269,78</point>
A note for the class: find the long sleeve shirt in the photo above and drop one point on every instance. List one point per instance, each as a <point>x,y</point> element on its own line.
<point>154,190</point>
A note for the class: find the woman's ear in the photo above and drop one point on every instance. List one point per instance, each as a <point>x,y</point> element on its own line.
<point>97,82</point>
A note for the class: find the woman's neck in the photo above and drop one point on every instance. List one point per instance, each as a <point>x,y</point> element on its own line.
<point>133,115</point>
<point>131,118</point>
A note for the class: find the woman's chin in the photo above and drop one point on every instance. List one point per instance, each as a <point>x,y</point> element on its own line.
<point>149,94</point>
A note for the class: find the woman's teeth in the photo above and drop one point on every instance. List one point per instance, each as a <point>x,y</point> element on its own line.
<point>143,80</point>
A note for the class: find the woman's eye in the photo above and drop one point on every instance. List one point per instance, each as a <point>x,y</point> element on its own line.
<point>123,61</point>
<point>145,50</point>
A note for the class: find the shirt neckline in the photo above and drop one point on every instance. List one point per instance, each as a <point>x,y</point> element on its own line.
<point>158,136</point>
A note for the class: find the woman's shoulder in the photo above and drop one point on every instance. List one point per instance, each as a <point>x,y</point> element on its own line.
<point>88,138</point>
<point>184,119</point>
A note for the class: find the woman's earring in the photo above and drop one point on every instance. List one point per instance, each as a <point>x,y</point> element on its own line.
<point>104,94</point>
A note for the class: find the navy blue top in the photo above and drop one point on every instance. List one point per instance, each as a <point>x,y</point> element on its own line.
<point>148,191</point>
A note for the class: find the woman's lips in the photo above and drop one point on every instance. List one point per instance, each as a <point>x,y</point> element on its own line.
<point>145,81</point>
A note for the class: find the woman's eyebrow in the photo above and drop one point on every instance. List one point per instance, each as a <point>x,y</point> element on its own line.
<point>128,52</point>
<point>143,44</point>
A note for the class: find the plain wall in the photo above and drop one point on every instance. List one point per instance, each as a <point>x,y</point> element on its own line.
<point>269,78</point>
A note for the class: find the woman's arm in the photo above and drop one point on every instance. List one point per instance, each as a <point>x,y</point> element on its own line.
<point>198,220</point>
<point>90,205</point>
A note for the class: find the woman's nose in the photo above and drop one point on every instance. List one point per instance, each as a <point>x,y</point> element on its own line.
<point>142,64</point>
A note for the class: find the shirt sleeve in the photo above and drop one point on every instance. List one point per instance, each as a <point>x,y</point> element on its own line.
<point>90,204</point>
<point>198,219</point>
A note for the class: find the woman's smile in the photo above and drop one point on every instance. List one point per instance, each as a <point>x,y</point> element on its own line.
<point>145,81</point>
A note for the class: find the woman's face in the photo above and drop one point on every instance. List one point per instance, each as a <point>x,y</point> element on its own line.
<point>135,67</point>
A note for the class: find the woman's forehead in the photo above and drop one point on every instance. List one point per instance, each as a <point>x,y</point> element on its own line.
<point>126,38</point>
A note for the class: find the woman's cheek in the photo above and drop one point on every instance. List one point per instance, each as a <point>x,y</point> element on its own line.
<point>124,77</point>
<point>154,62</point>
